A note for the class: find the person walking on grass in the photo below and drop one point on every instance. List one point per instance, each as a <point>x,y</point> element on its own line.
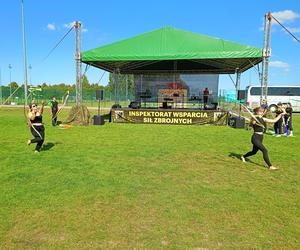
<point>54,110</point>
<point>259,123</point>
<point>36,126</point>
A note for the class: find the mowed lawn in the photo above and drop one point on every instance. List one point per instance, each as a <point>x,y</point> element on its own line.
<point>130,186</point>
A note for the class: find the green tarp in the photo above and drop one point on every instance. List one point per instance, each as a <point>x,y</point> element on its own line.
<point>169,49</point>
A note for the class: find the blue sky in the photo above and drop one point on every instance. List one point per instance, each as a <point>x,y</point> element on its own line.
<point>105,22</point>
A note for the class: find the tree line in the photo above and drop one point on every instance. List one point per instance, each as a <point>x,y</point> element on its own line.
<point>121,84</point>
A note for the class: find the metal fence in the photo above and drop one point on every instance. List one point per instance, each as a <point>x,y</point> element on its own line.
<point>46,94</point>
<point>226,99</point>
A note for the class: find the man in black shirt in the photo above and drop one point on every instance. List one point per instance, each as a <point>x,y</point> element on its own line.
<point>288,120</point>
<point>278,124</point>
<point>54,110</point>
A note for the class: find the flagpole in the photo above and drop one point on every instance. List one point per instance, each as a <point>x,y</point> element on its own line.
<point>24,50</point>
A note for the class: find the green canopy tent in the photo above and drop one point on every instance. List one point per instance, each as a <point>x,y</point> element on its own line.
<point>171,50</point>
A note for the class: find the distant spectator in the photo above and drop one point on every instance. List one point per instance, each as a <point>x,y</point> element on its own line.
<point>205,95</point>
<point>288,127</point>
<point>264,105</point>
<point>54,110</point>
<point>278,124</point>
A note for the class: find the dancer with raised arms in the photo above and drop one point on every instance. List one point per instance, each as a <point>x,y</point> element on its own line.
<point>259,123</point>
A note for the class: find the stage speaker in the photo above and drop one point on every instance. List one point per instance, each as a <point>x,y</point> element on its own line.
<point>237,122</point>
<point>164,105</point>
<point>230,121</point>
<point>241,95</point>
<point>116,106</point>
<point>134,105</point>
<point>98,120</point>
<point>99,94</point>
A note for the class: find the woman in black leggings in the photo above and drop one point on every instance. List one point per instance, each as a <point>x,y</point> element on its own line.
<point>36,126</point>
<point>259,124</point>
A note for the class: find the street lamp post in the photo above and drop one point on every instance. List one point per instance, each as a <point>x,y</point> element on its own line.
<point>25,58</point>
<point>30,68</point>
<point>10,67</point>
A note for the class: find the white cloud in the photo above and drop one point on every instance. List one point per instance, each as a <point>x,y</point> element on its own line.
<point>280,64</point>
<point>51,26</point>
<point>69,25</point>
<point>294,30</point>
<point>285,16</point>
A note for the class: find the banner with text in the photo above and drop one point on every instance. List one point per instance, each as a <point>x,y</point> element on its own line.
<point>176,117</point>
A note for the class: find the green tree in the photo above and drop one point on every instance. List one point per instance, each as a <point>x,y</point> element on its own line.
<point>85,82</point>
<point>126,85</point>
<point>13,85</point>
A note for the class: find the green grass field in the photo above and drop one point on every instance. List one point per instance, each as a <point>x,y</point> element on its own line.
<point>128,186</point>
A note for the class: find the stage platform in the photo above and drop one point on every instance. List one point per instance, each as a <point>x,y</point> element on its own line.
<point>169,116</point>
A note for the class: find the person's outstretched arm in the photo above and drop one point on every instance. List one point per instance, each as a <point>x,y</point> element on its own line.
<point>276,119</point>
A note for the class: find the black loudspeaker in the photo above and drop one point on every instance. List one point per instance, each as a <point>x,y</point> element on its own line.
<point>237,122</point>
<point>98,120</point>
<point>134,105</point>
<point>99,94</point>
<point>116,106</point>
<point>241,95</point>
<point>165,105</point>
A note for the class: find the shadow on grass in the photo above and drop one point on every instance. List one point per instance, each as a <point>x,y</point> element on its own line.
<point>238,156</point>
<point>47,146</point>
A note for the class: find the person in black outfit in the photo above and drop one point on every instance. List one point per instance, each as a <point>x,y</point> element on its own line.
<point>278,124</point>
<point>288,120</point>
<point>36,126</point>
<point>259,124</point>
<point>54,110</point>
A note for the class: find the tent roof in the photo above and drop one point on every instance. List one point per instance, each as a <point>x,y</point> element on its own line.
<point>173,50</point>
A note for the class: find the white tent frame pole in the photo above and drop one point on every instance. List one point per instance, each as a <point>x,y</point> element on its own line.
<point>77,26</point>
<point>266,57</point>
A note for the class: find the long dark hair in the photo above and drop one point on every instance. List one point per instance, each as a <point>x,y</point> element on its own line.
<point>257,109</point>
<point>30,105</point>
